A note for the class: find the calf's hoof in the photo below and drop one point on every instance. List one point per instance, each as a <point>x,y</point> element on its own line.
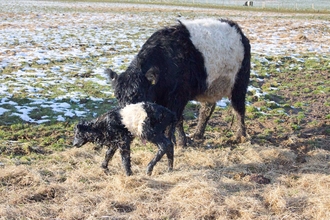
<point>149,170</point>
<point>105,170</point>
<point>97,147</point>
<point>104,166</point>
<point>129,173</point>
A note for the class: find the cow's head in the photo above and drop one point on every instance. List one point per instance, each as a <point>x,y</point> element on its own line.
<point>133,86</point>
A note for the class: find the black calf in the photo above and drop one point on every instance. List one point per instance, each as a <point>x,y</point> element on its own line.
<point>117,128</point>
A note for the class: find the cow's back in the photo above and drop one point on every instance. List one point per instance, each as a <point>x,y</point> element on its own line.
<point>221,45</point>
<point>177,65</point>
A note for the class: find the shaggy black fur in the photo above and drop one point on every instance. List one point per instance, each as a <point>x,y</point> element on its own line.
<point>170,71</point>
<point>109,130</point>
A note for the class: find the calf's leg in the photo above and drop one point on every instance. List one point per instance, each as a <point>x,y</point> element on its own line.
<point>170,156</point>
<point>126,159</point>
<point>165,146</point>
<point>125,152</point>
<point>108,156</point>
<point>205,113</point>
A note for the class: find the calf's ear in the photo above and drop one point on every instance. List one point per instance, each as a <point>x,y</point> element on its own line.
<point>152,75</point>
<point>111,75</point>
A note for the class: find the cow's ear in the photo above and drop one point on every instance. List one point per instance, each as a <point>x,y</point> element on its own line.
<point>111,75</point>
<point>81,125</point>
<point>152,75</point>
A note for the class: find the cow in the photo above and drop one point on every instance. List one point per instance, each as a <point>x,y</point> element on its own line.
<point>248,3</point>
<point>203,60</point>
<point>117,128</point>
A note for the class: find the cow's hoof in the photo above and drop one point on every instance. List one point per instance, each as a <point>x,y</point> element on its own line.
<point>242,139</point>
<point>181,141</point>
<point>196,136</point>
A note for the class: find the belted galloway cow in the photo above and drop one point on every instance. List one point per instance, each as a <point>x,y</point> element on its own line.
<point>203,60</point>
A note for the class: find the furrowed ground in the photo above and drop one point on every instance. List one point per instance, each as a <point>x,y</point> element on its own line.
<point>52,57</point>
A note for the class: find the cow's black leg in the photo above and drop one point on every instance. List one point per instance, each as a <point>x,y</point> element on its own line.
<point>238,103</point>
<point>108,156</point>
<point>170,133</point>
<point>164,146</point>
<point>205,113</point>
<point>239,92</point>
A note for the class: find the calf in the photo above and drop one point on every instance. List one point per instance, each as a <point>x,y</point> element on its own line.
<point>203,60</point>
<point>117,128</point>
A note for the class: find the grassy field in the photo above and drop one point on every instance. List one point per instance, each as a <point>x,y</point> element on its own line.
<point>52,58</point>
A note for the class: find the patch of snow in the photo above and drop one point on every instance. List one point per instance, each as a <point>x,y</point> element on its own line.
<point>60,118</point>
<point>3,110</point>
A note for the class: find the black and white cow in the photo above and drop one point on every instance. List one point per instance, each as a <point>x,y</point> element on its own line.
<point>248,3</point>
<point>203,60</point>
<point>117,128</point>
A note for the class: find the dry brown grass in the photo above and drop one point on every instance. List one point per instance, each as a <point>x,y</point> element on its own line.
<point>205,184</point>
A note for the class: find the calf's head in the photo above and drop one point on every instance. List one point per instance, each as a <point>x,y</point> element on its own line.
<point>82,134</point>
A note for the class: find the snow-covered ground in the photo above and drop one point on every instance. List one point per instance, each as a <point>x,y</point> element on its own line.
<point>46,47</point>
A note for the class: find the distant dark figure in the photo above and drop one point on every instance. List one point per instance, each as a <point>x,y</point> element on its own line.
<point>117,128</point>
<point>248,3</point>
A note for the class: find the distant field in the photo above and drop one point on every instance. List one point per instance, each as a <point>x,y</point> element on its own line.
<point>52,58</point>
<point>277,4</point>
<point>299,5</point>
